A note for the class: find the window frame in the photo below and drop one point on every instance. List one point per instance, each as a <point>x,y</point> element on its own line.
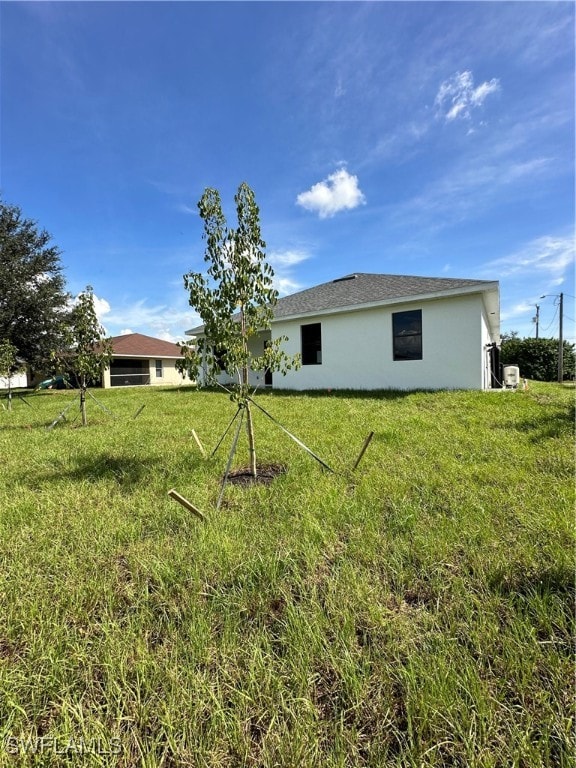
<point>401,332</point>
<point>311,345</point>
<point>159,364</point>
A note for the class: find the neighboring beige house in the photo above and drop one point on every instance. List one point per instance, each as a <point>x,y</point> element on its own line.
<point>139,360</point>
<point>373,331</point>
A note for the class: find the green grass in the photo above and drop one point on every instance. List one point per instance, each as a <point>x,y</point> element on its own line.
<point>417,612</point>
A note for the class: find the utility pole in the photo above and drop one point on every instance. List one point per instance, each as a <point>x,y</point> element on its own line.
<point>560,297</point>
<point>561,342</point>
<point>537,318</point>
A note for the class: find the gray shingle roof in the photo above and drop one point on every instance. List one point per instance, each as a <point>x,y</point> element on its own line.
<point>365,288</point>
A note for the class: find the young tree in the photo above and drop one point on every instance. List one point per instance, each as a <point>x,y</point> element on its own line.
<point>32,295</point>
<point>8,365</point>
<point>235,301</point>
<point>87,352</point>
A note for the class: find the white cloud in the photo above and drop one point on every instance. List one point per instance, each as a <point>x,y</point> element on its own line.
<point>282,259</point>
<point>101,307</point>
<point>283,263</point>
<point>169,320</point>
<point>340,191</point>
<point>339,91</point>
<point>167,336</point>
<point>163,321</point>
<point>547,257</point>
<point>469,187</point>
<point>457,96</point>
<point>286,285</point>
<point>183,208</point>
<point>479,94</point>
<point>518,310</point>
<point>535,269</point>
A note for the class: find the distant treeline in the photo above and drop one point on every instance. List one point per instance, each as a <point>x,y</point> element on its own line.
<point>537,358</point>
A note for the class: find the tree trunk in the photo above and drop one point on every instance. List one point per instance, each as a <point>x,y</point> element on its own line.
<point>249,425</point>
<point>251,445</point>
<point>245,389</point>
<point>83,405</point>
<point>9,392</point>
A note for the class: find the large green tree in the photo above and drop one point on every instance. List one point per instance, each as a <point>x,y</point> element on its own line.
<point>235,299</point>
<point>537,358</point>
<point>32,295</point>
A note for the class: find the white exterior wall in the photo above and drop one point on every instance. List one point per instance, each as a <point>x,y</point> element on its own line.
<point>357,348</point>
<point>256,348</point>
<point>18,380</point>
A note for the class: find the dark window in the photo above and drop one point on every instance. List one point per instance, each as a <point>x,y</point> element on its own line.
<point>158,369</point>
<point>125,372</point>
<point>407,332</point>
<point>267,371</point>
<point>220,355</point>
<point>311,336</point>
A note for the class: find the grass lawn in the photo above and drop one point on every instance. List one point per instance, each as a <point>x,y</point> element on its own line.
<point>418,612</point>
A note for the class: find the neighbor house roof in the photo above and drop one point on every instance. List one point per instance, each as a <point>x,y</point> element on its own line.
<point>358,289</point>
<point>139,345</point>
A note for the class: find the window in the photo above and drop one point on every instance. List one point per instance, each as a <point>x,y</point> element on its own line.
<point>158,369</point>
<point>219,356</point>
<point>267,371</point>
<point>407,333</point>
<point>311,336</point>
<point>128,372</point>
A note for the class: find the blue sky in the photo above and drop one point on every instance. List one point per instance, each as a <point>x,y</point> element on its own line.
<point>416,138</point>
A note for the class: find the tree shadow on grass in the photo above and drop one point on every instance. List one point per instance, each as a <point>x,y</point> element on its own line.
<point>560,423</point>
<point>20,427</point>
<point>363,394</point>
<point>517,580</point>
<point>345,394</point>
<point>126,471</point>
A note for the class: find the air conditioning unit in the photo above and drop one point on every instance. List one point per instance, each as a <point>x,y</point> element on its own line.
<point>511,376</point>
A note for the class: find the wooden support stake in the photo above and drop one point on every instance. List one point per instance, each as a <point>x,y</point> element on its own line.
<point>362,452</point>
<point>173,493</point>
<point>198,443</point>
<point>139,411</point>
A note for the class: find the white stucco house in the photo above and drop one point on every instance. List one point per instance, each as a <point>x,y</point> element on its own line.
<point>374,331</point>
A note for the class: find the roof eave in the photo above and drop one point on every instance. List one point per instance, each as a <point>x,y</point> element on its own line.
<point>147,355</point>
<point>486,287</point>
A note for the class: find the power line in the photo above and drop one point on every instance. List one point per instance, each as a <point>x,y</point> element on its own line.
<point>553,319</point>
